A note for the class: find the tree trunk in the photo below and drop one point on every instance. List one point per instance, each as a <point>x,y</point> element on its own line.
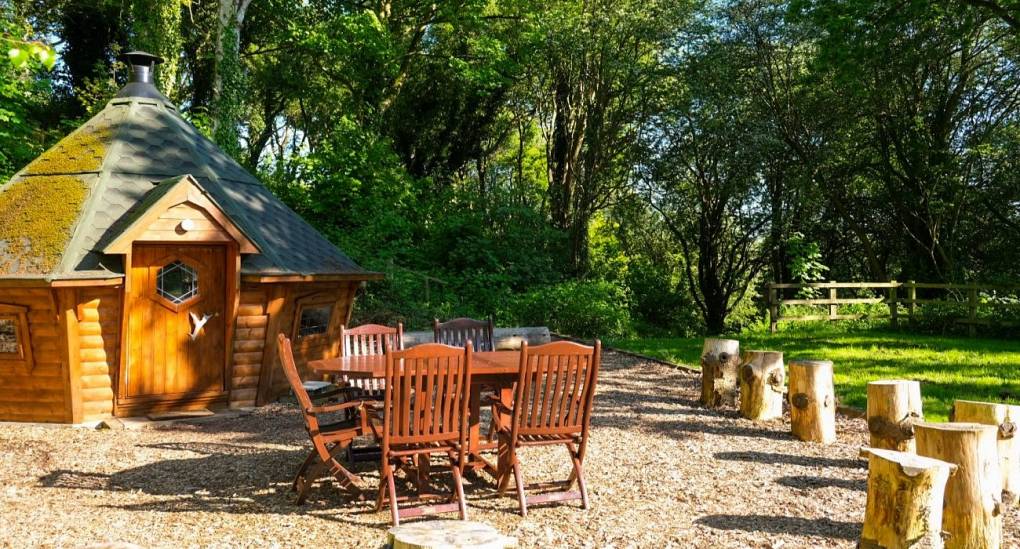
<point>720,359</point>
<point>447,533</point>
<point>1006,419</point>
<point>893,407</point>
<point>812,401</point>
<point>761,385</point>
<point>905,498</point>
<point>972,513</point>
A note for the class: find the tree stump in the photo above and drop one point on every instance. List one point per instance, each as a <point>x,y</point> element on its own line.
<point>720,360</point>
<point>812,401</point>
<point>761,385</point>
<point>893,408</point>
<point>1005,418</point>
<point>905,497</point>
<point>972,511</point>
<point>447,534</point>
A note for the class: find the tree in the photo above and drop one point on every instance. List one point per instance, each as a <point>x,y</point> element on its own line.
<point>705,179</point>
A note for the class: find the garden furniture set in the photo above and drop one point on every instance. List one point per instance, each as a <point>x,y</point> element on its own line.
<point>426,400</point>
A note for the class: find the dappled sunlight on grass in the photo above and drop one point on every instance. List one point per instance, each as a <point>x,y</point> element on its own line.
<point>947,367</point>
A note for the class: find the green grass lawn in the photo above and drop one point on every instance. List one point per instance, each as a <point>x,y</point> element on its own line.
<point>947,367</point>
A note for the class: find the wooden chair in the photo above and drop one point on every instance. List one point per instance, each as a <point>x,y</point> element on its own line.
<point>328,439</point>
<point>369,339</point>
<point>424,413</point>
<point>459,331</point>
<point>552,405</point>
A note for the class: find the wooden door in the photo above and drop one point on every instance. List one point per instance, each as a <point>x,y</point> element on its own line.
<point>176,328</point>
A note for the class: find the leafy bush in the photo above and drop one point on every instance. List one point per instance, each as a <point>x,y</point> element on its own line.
<point>587,308</point>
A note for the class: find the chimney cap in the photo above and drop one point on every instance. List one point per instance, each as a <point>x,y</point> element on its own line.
<point>140,80</point>
<point>139,57</point>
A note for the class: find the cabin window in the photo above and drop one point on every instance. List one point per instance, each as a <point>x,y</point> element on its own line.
<point>15,349</point>
<point>314,319</point>
<point>9,344</point>
<point>177,282</point>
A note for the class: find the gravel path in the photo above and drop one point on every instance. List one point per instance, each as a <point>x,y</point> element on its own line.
<point>661,470</point>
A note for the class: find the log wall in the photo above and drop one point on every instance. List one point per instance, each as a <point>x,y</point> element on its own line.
<point>249,344</point>
<point>41,393</point>
<point>99,324</point>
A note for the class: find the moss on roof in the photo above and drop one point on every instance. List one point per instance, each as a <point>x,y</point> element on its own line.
<point>38,214</point>
<point>80,152</point>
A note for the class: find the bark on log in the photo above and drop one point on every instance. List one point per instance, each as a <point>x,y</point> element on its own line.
<point>812,401</point>
<point>905,498</point>
<point>972,511</point>
<point>893,408</point>
<point>1006,418</point>
<point>720,360</point>
<point>447,533</point>
<point>761,385</point>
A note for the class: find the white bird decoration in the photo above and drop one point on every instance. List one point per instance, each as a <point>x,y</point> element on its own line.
<point>199,323</point>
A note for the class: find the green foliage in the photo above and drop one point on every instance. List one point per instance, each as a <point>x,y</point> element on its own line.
<point>580,308</point>
<point>805,263</point>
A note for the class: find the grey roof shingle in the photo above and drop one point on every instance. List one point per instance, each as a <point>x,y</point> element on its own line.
<point>150,142</point>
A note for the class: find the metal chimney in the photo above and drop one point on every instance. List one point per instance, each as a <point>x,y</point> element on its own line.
<point>140,83</point>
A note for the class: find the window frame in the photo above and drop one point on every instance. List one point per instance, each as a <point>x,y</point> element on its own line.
<point>21,360</point>
<point>314,302</point>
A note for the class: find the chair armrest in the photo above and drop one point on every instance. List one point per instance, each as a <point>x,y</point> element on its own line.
<point>329,408</point>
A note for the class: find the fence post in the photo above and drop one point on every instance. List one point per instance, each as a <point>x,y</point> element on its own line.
<point>833,306</point>
<point>773,309</point>
<point>911,300</point>
<point>894,307</point>
<point>972,295</point>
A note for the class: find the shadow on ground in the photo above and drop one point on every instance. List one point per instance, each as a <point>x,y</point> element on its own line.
<point>797,526</point>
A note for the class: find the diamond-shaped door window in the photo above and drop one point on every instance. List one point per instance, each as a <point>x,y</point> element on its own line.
<point>177,282</point>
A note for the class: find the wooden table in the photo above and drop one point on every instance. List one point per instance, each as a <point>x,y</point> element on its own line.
<point>489,370</point>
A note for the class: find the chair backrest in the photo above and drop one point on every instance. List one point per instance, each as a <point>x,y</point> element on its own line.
<point>459,331</point>
<point>294,378</point>
<point>427,393</point>
<point>371,339</point>
<point>555,389</point>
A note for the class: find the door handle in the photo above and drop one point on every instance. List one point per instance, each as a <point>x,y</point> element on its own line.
<point>199,323</point>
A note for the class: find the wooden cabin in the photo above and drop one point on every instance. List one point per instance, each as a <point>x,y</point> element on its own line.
<point>143,270</point>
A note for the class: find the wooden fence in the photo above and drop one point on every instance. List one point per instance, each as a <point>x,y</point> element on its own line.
<point>893,294</point>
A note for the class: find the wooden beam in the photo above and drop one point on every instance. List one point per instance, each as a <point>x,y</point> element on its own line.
<point>291,278</point>
<point>276,310</point>
<point>67,305</point>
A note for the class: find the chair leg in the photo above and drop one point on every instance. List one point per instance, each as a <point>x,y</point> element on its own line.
<point>299,478</point>
<point>579,473</point>
<point>394,510</point>
<point>506,463</point>
<point>458,486</point>
<point>519,479</point>
<point>312,474</point>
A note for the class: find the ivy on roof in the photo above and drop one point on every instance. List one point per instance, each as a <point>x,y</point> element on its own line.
<point>38,214</point>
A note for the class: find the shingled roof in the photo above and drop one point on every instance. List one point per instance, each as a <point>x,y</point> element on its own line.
<point>61,210</point>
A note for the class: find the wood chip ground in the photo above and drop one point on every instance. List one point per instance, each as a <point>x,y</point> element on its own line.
<point>662,471</point>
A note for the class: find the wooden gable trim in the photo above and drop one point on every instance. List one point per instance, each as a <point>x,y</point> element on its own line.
<point>185,191</point>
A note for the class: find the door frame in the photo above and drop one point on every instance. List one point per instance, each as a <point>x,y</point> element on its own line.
<point>126,406</point>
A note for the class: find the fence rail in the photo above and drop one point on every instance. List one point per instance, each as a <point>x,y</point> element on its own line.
<point>892,294</point>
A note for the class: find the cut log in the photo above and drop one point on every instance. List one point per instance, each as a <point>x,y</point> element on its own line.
<point>720,362</point>
<point>447,534</point>
<point>812,401</point>
<point>972,511</point>
<point>1006,418</point>
<point>894,405</point>
<point>761,385</point>
<point>905,498</point>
